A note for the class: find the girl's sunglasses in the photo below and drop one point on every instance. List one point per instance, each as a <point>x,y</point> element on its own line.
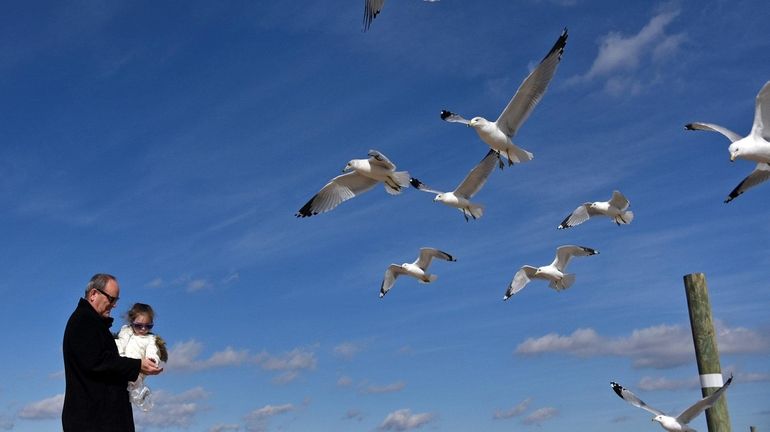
<point>139,326</point>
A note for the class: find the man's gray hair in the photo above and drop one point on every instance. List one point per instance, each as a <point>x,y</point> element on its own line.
<point>98,282</point>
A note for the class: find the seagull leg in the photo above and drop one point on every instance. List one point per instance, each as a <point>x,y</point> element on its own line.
<point>465,215</point>
<point>510,161</point>
<point>500,161</point>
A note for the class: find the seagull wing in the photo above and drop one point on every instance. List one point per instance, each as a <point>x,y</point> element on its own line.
<point>762,113</point>
<point>475,179</point>
<point>619,201</point>
<point>759,175</point>
<point>392,272</point>
<point>377,158</point>
<point>531,90</point>
<point>338,190</point>
<point>703,404</point>
<point>577,217</point>
<point>427,254</point>
<point>732,136</point>
<point>520,280</point>
<point>372,8</point>
<point>453,118</point>
<point>634,400</point>
<point>565,253</point>
<point>417,184</point>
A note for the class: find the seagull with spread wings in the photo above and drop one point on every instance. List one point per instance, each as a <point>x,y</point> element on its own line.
<point>553,272</point>
<point>498,134</point>
<point>360,176</point>
<point>417,269</point>
<point>615,209</point>
<point>672,424</point>
<point>473,182</point>
<point>754,147</point>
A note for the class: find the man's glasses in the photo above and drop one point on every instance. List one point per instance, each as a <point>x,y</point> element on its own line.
<point>111,299</point>
<point>139,326</point>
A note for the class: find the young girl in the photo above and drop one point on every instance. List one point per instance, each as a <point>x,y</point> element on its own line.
<point>136,341</point>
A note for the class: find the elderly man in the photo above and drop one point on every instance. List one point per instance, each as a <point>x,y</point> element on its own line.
<point>96,398</point>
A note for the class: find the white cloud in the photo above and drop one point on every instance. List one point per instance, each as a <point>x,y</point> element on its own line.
<point>660,383</point>
<point>224,428</point>
<point>347,350</point>
<point>344,381</point>
<point>621,57</point>
<point>388,388</point>
<point>661,346</point>
<point>353,414</point>
<point>172,410</point>
<point>184,356</point>
<point>514,411</point>
<point>49,408</point>
<point>259,419</point>
<point>196,285</point>
<point>155,283</point>
<point>403,420</point>
<point>541,415</point>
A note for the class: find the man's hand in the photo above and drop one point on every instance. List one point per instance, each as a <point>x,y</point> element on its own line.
<point>149,367</point>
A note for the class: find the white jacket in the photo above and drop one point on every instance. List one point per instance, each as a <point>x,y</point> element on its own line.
<point>137,346</point>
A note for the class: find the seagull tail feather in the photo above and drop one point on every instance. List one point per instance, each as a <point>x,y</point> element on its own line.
<point>397,182</point>
<point>624,218</point>
<point>430,278</point>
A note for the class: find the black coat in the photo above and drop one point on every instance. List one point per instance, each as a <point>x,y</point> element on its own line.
<point>96,398</point>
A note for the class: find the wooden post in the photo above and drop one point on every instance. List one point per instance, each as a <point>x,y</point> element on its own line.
<point>706,351</point>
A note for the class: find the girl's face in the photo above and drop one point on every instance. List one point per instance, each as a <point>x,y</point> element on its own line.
<point>141,324</point>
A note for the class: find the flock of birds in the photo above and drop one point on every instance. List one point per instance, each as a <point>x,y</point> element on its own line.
<point>361,175</point>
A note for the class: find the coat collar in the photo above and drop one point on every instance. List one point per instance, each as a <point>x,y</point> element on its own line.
<point>90,311</point>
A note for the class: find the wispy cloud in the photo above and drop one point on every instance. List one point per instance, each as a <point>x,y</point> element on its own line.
<point>404,420</point>
<point>185,356</point>
<point>514,411</point>
<point>353,414</point>
<point>388,388</point>
<point>172,410</point>
<point>662,383</point>
<point>541,415</point>
<point>347,350</point>
<point>49,408</point>
<point>224,428</point>
<point>621,56</point>
<point>661,346</point>
<point>259,419</point>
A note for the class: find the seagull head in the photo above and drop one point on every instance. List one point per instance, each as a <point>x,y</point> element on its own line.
<point>735,152</point>
<point>477,122</point>
<point>439,198</point>
<point>658,418</point>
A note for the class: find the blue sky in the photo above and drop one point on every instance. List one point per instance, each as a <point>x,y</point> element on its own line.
<point>170,144</point>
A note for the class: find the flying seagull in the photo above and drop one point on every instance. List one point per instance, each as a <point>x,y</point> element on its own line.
<point>553,272</point>
<point>360,176</point>
<point>672,424</point>
<point>498,134</point>
<point>372,8</point>
<point>754,147</point>
<point>417,269</point>
<point>473,182</point>
<point>615,209</point>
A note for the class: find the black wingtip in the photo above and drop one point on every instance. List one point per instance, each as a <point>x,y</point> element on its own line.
<point>617,388</point>
<point>446,114</point>
<point>689,126</point>
<point>415,183</point>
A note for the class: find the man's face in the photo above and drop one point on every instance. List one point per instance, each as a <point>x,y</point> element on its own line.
<point>103,302</point>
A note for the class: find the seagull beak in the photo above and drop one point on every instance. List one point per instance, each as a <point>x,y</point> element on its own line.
<point>732,157</point>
